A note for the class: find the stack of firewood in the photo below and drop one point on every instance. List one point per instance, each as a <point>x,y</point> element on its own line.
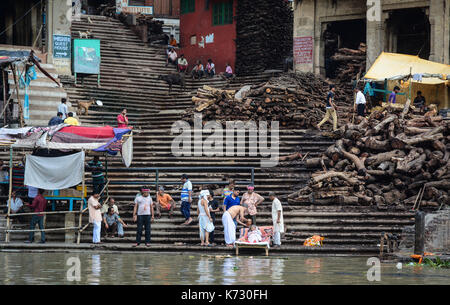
<point>295,100</point>
<point>393,157</point>
<point>349,63</point>
<point>263,35</point>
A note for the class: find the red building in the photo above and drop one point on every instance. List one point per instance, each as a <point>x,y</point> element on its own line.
<point>208,30</point>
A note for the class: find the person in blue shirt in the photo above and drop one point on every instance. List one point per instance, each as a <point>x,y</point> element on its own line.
<point>186,199</point>
<point>232,200</point>
<point>56,120</point>
<point>393,95</point>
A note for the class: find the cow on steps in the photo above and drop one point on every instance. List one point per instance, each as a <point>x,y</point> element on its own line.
<point>173,79</point>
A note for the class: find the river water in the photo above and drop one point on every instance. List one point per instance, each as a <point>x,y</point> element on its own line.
<point>159,268</point>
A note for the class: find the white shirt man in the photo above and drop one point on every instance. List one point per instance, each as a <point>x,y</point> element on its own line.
<point>63,109</point>
<point>95,217</point>
<point>360,103</point>
<point>143,210</point>
<point>15,204</point>
<point>277,219</point>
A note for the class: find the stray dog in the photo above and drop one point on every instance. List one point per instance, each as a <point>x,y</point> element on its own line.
<point>87,34</point>
<point>84,106</point>
<point>171,79</point>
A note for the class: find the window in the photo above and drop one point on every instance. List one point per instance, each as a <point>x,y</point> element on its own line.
<point>223,13</point>
<point>187,6</point>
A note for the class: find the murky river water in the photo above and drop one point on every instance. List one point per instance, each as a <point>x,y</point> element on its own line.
<point>157,268</point>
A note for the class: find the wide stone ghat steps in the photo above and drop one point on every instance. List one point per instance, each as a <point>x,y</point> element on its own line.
<point>355,230</point>
<point>129,80</point>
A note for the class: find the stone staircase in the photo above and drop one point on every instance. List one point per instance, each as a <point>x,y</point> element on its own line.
<point>44,95</point>
<point>129,80</point>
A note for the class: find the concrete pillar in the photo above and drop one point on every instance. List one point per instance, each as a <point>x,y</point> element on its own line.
<point>438,38</point>
<point>59,22</point>
<point>374,38</point>
<point>304,31</point>
<point>69,221</point>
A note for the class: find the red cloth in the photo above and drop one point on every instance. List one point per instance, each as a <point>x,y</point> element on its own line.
<point>121,125</point>
<point>106,132</point>
<point>39,204</point>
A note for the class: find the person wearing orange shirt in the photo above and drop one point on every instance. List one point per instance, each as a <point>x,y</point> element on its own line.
<point>173,41</point>
<point>164,201</point>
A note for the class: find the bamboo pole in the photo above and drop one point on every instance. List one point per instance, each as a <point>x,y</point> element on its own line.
<point>8,220</point>
<point>43,230</point>
<point>16,83</point>
<point>81,205</point>
<point>45,213</point>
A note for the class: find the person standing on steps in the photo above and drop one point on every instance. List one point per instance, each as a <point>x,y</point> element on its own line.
<point>186,199</point>
<point>98,179</point>
<point>213,206</point>
<point>331,109</point>
<point>360,102</point>
<point>122,119</point>
<point>277,219</point>
<point>38,206</point>
<point>95,216</point>
<point>63,108</point>
<point>143,210</point>
<point>252,200</point>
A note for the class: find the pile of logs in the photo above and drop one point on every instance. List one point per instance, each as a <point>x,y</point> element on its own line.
<point>393,157</point>
<point>296,100</point>
<point>264,33</point>
<point>349,63</point>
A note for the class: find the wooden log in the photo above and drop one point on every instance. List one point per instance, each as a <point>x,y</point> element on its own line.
<point>346,176</point>
<point>382,157</point>
<point>358,163</point>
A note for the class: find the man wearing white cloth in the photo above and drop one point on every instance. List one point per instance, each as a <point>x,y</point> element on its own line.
<point>277,219</point>
<point>95,217</point>
<point>229,228</point>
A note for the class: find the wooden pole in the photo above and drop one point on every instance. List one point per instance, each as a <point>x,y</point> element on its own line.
<point>5,80</point>
<point>16,83</point>
<point>80,218</point>
<point>8,221</point>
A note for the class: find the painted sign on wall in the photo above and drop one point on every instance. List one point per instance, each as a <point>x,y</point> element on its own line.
<point>122,6</point>
<point>61,46</point>
<point>303,50</point>
<point>86,56</point>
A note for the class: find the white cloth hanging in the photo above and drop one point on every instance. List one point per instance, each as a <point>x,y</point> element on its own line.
<point>54,173</point>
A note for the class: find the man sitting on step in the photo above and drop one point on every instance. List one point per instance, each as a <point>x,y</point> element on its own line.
<point>71,120</point>
<point>164,202</point>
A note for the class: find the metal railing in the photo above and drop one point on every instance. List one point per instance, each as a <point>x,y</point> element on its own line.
<point>158,170</point>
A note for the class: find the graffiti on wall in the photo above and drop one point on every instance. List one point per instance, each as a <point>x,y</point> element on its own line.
<point>205,40</point>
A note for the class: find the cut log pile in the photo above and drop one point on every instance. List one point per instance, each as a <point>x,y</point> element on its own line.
<point>349,63</point>
<point>393,157</point>
<point>264,33</point>
<point>296,100</point>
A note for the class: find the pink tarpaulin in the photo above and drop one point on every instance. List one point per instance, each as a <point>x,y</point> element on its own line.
<point>106,132</point>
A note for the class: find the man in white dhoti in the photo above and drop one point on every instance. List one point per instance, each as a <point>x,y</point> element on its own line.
<point>229,228</point>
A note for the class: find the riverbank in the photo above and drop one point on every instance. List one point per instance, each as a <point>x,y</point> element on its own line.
<point>122,247</point>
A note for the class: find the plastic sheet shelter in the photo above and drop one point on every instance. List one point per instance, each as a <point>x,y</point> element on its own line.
<point>397,69</point>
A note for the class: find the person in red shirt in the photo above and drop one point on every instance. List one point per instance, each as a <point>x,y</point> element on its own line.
<point>122,119</point>
<point>38,206</point>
